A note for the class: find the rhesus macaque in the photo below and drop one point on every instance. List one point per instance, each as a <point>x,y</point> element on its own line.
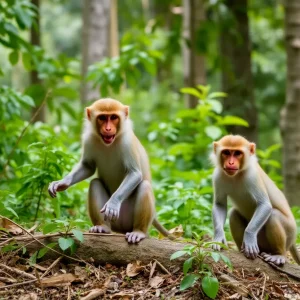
<point>261,221</point>
<point>121,197</point>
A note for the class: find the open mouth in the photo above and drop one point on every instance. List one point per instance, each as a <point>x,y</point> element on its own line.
<point>108,139</point>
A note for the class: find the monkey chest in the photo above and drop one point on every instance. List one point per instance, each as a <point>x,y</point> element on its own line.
<point>111,171</point>
<point>243,202</point>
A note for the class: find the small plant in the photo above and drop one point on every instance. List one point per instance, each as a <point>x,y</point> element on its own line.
<point>66,242</point>
<point>194,268</point>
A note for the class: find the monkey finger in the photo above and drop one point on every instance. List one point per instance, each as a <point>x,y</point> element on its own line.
<point>103,209</point>
<point>110,214</point>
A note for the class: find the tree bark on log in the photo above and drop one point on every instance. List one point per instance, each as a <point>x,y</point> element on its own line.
<point>115,250</point>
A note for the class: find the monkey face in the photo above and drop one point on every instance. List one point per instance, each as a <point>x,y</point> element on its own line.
<point>232,161</point>
<point>108,127</point>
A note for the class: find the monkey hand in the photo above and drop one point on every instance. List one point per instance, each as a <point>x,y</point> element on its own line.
<point>111,209</point>
<point>58,186</point>
<point>220,238</point>
<point>250,246</point>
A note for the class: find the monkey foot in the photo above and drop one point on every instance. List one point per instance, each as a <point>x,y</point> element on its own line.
<point>275,259</point>
<point>135,236</point>
<point>100,229</point>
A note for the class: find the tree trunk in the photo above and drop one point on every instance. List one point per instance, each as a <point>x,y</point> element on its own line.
<point>35,39</point>
<point>193,62</point>
<point>113,29</point>
<point>237,79</point>
<point>95,41</point>
<point>114,249</point>
<point>290,114</point>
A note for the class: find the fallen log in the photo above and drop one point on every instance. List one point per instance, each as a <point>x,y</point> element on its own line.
<point>114,249</point>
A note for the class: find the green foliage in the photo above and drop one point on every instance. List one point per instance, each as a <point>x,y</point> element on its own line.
<point>271,164</point>
<point>137,54</point>
<point>194,268</point>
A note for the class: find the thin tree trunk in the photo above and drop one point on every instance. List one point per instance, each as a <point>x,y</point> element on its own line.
<point>237,79</point>
<point>95,41</point>
<point>35,39</point>
<point>194,63</point>
<point>113,29</point>
<point>290,114</point>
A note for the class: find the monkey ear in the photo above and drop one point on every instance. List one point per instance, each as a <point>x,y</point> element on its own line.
<point>252,148</point>
<point>88,112</point>
<point>126,110</point>
<point>215,144</point>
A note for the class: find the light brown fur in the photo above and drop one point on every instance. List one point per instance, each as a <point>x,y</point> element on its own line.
<point>261,220</point>
<point>121,197</point>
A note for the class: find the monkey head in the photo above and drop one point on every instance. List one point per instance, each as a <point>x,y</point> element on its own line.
<point>232,154</point>
<point>107,117</point>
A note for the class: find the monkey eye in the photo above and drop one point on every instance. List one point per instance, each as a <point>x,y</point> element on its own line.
<point>238,153</point>
<point>102,117</point>
<point>113,117</point>
<point>226,152</point>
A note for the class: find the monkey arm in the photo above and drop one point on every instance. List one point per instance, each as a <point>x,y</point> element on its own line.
<point>82,171</point>
<point>219,213</point>
<point>132,179</point>
<point>259,218</point>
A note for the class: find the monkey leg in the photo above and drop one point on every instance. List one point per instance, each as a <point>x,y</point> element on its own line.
<point>143,214</point>
<point>238,225</point>
<point>98,196</point>
<point>273,238</point>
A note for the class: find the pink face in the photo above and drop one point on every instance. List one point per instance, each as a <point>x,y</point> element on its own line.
<point>231,160</point>
<point>108,126</point>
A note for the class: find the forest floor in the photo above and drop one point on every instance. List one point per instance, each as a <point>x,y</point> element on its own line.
<point>70,279</point>
<point>61,280</point>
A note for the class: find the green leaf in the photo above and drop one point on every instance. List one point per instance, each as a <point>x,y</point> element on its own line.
<point>66,92</point>
<point>215,256</point>
<point>217,95</point>
<point>232,120</point>
<point>50,228</point>
<point>213,132</point>
<point>216,106</point>
<point>33,257</point>
<point>26,58</point>
<point>65,243</point>
<point>210,286</point>
<point>13,57</point>
<point>44,250</point>
<point>188,281</point>
<point>23,189</point>
<point>78,234</point>
<point>191,91</point>
<point>188,264</point>
<point>177,254</point>
<point>226,260</point>
<point>12,211</point>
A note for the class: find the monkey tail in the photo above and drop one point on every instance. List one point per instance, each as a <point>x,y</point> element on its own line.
<point>295,253</point>
<point>162,229</point>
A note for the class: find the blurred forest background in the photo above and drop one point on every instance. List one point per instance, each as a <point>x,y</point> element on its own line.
<point>191,70</point>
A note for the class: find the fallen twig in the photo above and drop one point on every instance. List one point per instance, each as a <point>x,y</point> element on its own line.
<point>264,286</point>
<point>51,266</point>
<point>162,267</point>
<point>17,271</point>
<point>17,284</point>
